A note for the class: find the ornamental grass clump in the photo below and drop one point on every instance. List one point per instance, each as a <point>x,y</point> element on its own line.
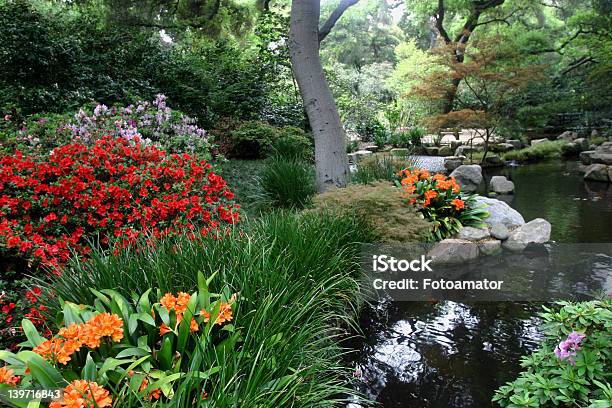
<point>380,206</point>
<point>441,202</point>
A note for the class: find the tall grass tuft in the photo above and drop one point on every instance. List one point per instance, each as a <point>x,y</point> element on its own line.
<point>296,274</point>
<point>380,167</point>
<point>285,182</point>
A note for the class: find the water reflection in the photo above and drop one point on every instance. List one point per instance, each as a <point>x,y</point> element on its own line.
<point>453,354</point>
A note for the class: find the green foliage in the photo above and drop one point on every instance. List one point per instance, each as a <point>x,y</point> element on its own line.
<point>117,341</point>
<point>379,167</point>
<point>255,140</point>
<point>409,138</point>
<point>380,206</point>
<point>289,327</point>
<point>54,61</point>
<point>285,182</point>
<point>581,379</point>
<point>241,177</point>
<point>538,152</point>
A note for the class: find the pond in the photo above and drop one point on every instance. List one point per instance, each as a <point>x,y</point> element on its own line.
<point>452,354</point>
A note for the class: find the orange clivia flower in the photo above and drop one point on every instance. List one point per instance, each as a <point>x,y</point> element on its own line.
<point>168,301</point>
<point>100,326</point>
<point>456,186</point>
<point>444,184</point>
<point>424,175</point>
<point>83,394</point>
<point>181,302</point>
<point>225,313</point>
<point>7,377</point>
<point>458,204</point>
<point>193,326</point>
<point>71,332</point>
<point>439,177</point>
<point>163,329</point>
<point>57,350</point>
<point>206,315</point>
<point>155,394</point>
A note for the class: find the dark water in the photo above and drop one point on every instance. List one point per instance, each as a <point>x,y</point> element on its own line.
<point>452,354</point>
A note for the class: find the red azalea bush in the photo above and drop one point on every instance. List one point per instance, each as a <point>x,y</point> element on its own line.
<point>115,190</point>
<point>112,189</point>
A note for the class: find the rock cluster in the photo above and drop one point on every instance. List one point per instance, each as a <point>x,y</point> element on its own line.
<point>598,162</point>
<point>504,228</point>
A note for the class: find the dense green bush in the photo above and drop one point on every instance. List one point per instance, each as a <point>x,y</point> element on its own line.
<point>289,328</point>
<point>255,140</point>
<point>573,364</point>
<point>380,206</point>
<point>540,151</point>
<point>54,61</point>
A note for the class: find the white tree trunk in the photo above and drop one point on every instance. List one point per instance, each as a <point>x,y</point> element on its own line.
<point>330,140</point>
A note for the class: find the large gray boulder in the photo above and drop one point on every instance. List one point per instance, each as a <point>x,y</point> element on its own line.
<point>583,143</point>
<point>597,172</point>
<point>538,141</point>
<point>499,231</point>
<point>453,251</point>
<point>586,157</point>
<point>473,234</point>
<point>535,231</point>
<point>517,144</point>
<point>568,135</point>
<point>452,162</point>
<point>490,246</point>
<point>501,185</point>
<point>500,213</point>
<point>493,160</point>
<point>605,147</point>
<point>469,177</point>
<point>603,158</point>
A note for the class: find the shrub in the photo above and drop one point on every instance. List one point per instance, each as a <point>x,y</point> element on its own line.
<point>406,139</point>
<point>149,122</point>
<point>440,201</point>
<point>289,327</point>
<point>52,205</point>
<point>373,131</point>
<point>540,151</point>
<point>256,140</point>
<point>285,183</point>
<point>141,346</point>
<point>379,167</point>
<point>292,143</point>
<point>573,364</point>
<point>380,206</point>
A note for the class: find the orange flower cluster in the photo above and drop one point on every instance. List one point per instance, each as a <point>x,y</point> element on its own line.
<point>177,303</point>
<point>7,377</point>
<point>70,339</point>
<point>421,182</point>
<point>83,394</point>
<point>458,204</point>
<point>225,314</point>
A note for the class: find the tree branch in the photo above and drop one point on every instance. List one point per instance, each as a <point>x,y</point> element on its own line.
<point>499,20</point>
<point>334,17</point>
<point>439,19</point>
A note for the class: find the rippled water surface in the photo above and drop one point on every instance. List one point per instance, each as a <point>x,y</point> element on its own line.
<point>452,354</point>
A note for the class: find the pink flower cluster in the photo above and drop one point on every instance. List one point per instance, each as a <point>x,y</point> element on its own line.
<point>568,347</point>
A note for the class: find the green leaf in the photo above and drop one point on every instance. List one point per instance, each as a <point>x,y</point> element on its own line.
<point>31,333</point>
<point>89,370</point>
<point>44,373</point>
